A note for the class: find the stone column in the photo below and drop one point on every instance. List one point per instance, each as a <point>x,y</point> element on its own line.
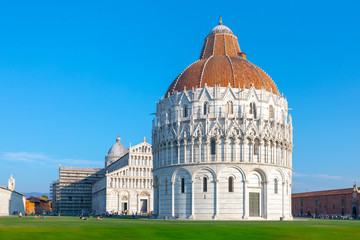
<point>199,146</point>
<point>192,160</point>
<point>216,182</point>
<point>283,199</point>
<point>137,203</point>
<point>207,147</point>
<point>192,216</point>
<point>226,144</point>
<point>246,200</point>
<point>217,150</point>
<point>265,197</point>
<point>173,199</point>
<point>236,154</point>
<point>178,151</point>
<point>159,198</point>
<point>171,153</point>
<point>243,144</point>
<point>251,151</point>
<point>261,149</point>
<point>185,157</point>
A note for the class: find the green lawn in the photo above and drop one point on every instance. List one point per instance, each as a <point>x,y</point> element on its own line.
<point>112,228</point>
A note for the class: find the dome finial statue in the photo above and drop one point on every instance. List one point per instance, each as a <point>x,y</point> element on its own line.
<point>220,21</point>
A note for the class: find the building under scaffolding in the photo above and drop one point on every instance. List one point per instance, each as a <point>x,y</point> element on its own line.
<point>72,192</point>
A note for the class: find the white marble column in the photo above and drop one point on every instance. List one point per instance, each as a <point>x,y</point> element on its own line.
<point>185,157</point>
<point>217,150</point>
<point>192,160</point>
<point>173,199</point>
<point>171,153</point>
<point>192,216</point>
<point>216,182</point>
<point>283,199</point>
<point>199,146</point>
<point>207,157</point>
<point>226,150</point>
<point>265,197</point>
<point>251,151</point>
<point>159,197</point>
<point>246,201</point>
<point>236,152</point>
<point>178,151</point>
<point>261,149</point>
<point>243,145</point>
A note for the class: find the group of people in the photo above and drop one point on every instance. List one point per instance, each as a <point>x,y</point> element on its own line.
<point>35,216</point>
<point>326,216</point>
<point>87,218</point>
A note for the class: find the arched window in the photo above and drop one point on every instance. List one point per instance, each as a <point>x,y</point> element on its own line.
<point>206,108</point>
<point>204,184</point>
<point>212,147</point>
<point>182,185</point>
<point>253,109</point>
<point>229,107</point>
<point>231,184</point>
<point>271,111</point>
<point>185,111</point>
<point>256,147</point>
<point>276,186</point>
<point>169,114</point>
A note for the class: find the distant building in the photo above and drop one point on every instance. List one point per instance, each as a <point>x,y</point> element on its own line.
<point>331,202</point>
<point>71,193</point>
<point>128,183</point>
<point>11,202</point>
<point>37,205</point>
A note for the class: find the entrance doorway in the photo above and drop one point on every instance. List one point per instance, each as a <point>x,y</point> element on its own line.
<point>143,205</point>
<point>124,206</point>
<point>354,212</point>
<point>254,204</point>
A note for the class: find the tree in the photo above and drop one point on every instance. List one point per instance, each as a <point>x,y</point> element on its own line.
<point>45,196</point>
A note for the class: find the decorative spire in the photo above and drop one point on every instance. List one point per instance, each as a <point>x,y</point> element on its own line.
<point>220,21</point>
<point>118,139</point>
<point>144,139</point>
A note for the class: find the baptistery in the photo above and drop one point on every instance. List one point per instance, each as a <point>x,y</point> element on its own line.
<point>222,139</point>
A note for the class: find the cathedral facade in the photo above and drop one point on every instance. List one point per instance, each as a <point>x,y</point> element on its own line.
<point>127,185</point>
<point>124,185</point>
<point>222,139</point>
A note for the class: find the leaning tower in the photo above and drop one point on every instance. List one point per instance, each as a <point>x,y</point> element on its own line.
<point>222,139</point>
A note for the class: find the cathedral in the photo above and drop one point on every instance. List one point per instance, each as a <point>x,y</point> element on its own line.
<point>127,184</point>
<point>222,139</point>
<point>124,185</point>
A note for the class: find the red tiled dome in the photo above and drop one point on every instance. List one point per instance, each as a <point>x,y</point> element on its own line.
<point>222,63</point>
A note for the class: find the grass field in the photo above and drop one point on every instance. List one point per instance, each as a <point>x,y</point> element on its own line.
<point>112,228</point>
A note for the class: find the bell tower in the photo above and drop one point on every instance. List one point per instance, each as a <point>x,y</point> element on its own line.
<point>11,183</point>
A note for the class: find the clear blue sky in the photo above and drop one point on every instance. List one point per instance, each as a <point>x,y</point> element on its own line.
<point>74,75</point>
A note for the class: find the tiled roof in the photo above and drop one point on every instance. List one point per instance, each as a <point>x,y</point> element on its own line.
<point>324,193</point>
<point>37,199</point>
<point>222,63</point>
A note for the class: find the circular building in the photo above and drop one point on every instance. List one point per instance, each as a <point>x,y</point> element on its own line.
<point>222,139</point>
